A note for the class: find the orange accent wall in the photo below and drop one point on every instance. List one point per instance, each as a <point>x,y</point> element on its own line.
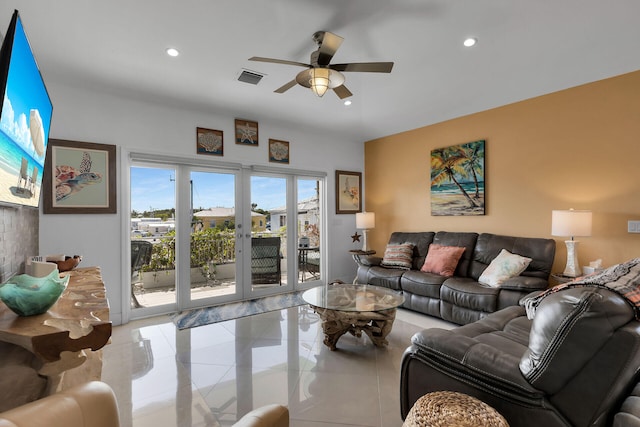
<point>577,148</point>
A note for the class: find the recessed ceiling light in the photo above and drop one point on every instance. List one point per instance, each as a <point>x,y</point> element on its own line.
<point>347,102</point>
<point>172,52</point>
<point>471,41</point>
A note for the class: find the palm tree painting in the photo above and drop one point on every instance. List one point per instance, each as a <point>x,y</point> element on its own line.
<point>457,180</point>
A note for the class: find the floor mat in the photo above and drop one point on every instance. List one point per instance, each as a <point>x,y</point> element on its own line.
<point>220,313</point>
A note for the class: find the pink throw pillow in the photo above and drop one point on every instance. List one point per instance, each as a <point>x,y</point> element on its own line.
<point>442,260</point>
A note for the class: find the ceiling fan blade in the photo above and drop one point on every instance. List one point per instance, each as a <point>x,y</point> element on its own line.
<point>279,61</point>
<point>286,87</point>
<point>368,67</point>
<point>342,92</point>
<point>328,47</point>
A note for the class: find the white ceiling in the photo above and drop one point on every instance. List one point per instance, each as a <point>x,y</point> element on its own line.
<point>525,49</point>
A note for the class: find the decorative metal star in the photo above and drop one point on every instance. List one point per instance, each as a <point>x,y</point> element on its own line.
<point>356,237</point>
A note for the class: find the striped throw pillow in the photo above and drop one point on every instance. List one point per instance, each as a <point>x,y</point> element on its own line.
<point>398,256</point>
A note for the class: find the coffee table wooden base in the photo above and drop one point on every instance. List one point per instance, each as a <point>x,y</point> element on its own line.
<point>336,323</point>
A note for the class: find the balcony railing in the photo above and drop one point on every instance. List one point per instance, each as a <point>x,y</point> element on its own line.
<point>207,246</point>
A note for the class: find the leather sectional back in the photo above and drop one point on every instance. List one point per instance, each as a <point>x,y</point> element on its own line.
<point>465,240</point>
<point>420,241</point>
<point>583,338</point>
<point>541,251</point>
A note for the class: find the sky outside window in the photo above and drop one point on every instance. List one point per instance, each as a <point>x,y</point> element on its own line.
<point>155,188</point>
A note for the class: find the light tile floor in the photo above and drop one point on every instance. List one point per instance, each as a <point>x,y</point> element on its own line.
<point>212,375</point>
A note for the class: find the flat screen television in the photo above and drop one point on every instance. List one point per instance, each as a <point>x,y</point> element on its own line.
<point>25,118</point>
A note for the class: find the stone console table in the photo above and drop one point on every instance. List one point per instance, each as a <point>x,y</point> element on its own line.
<point>42,354</point>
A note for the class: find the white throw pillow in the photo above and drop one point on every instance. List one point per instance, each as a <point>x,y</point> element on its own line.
<point>505,266</point>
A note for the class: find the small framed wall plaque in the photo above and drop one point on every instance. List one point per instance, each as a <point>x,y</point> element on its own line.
<point>246,132</point>
<point>348,191</point>
<point>278,151</point>
<point>209,142</point>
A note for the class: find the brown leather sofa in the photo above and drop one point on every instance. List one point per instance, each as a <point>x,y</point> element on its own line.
<point>461,299</point>
<point>572,365</point>
<point>94,404</point>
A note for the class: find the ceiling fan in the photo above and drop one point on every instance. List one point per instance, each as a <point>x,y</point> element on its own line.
<point>320,75</point>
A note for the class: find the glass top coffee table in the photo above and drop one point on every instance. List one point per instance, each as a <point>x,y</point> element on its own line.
<point>355,309</point>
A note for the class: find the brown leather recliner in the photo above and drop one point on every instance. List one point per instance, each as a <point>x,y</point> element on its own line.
<point>572,365</point>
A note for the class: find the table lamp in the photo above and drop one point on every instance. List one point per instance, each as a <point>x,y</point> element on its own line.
<point>365,221</point>
<point>571,223</point>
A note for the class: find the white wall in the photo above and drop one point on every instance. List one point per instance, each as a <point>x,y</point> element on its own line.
<point>135,125</point>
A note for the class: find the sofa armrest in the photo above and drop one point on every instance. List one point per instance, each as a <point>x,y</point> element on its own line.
<point>525,284</point>
<point>273,415</point>
<point>92,404</point>
<point>367,260</point>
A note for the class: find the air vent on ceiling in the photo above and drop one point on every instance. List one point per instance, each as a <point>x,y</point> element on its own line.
<point>250,77</point>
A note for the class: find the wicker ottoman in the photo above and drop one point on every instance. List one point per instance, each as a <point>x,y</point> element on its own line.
<point>452,409</point>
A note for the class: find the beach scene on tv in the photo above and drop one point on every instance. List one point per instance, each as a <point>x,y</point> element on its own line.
<point>24,127</point>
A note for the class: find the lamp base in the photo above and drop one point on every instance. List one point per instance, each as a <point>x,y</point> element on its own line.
<point>573,266</point>
<point>365,247</point>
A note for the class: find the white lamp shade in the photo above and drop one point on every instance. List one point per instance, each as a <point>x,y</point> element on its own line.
<point>365,220</point>
<point>570,223</point>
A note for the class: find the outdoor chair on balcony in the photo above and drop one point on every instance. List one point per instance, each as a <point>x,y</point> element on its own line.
<point>308,263</point>
<point>140,255</point>
<point>265,260</point>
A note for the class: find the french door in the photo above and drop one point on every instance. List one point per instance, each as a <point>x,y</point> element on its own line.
<point>204,235</point>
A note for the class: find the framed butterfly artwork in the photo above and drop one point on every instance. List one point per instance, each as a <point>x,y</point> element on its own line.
<point>79,178</point>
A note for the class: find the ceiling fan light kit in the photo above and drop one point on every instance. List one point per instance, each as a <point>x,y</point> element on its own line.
<point>319,80</point>
<point>321,76</point>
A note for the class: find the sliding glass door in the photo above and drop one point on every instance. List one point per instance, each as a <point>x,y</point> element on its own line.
<point>183,246</point>
<point>212,243</point>
<point>268,242</point>
<point>204,235</point>
<point>291,210</point>
<point>152,236</point>
<point>309,229</point>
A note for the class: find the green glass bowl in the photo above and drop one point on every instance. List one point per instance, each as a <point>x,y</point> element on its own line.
<point>28,296</point>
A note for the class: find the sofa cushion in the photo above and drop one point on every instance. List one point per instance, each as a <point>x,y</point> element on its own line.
<point>541,251</point>
<point>398,256</point>
<point>442,260</point>
<point>467,293</point>
<point>505,266</point>
<point>423,284</point>
<point>487,351</point>
<point>569,328</point>
<point>385,277</point>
